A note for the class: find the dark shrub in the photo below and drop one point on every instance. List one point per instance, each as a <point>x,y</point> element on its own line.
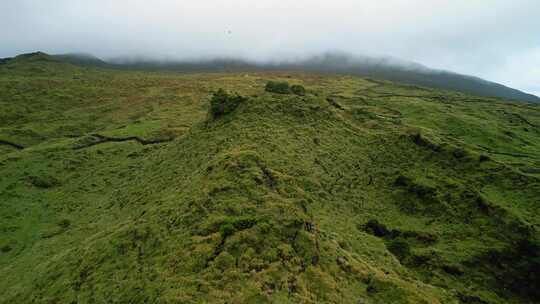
<point>516,264</point>
<point>459,153</point>
<point>420,236</point>
<point>65,223</point>
<point>298,90</point>
<point>465,298</point>
<point>403,181</point>
<point>223,103</point>
<point>5,248</point>
<point>422,191</point>
<point>43,181</point>
<point>400,248</point>
<point>244,223</point>
<point>280,87</point>
<point>375,228</point>
<point>419,260</point>
<point>453,270</point>
<point>483,205</point>
<point>227,229</point>
<point>421,141</point>
<point>232,225</point>
<point>484,158</point>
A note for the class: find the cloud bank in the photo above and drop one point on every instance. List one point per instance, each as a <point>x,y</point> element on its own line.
<point>497,40</point>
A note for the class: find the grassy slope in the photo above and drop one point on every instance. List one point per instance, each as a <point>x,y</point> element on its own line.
<point>269,203</point>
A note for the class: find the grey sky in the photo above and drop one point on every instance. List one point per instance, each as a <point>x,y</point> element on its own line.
<point>498,40</point>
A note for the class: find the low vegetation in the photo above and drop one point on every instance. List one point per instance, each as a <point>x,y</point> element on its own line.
<point>283,87</point>
<point>298,90</point>
<point>223,103</point>
<point>279,87</point>
<point>136,187</point>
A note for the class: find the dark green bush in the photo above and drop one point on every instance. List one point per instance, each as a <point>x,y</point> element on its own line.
<point>403,181</point>
<point>298,90</point>
<point>459,153</point>
<point>375,228</point>
<point>223,103</point>
<point>231,225</point>
<point>422,141</point>
<point>400,248</point>
<point>227,230</point>
<point>280,87</point>
<point>6,248</point>
<point>484,158</point>
<point>65,223</point>
<point>43,181</point>
<point>244,223</point>
<point>516,264</point>
<point>422,191</point>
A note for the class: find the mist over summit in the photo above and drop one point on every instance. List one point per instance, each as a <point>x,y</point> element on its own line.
<point>387,68</point>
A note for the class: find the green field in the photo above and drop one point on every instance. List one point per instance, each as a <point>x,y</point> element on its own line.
<point>120,187</point>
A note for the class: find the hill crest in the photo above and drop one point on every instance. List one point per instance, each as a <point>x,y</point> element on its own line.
<point>335,63</point>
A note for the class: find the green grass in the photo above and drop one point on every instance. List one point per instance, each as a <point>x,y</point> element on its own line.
<point>267,203</point>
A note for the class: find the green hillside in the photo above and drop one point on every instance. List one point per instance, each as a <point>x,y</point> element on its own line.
<point>122,187</point>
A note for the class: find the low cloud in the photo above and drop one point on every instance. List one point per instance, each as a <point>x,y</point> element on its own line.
<point>497,40</point>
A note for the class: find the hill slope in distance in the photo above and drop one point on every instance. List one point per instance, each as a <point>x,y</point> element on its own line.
<point>333,63</point>
<point>118,186</point>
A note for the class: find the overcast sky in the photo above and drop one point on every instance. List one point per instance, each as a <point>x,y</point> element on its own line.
<point>498,40</point>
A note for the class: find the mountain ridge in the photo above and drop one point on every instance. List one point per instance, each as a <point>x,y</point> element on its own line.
<point>339,63</point>
<point>335,63</point>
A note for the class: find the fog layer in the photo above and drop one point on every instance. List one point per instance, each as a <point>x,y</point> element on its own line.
<point>497,40</point>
